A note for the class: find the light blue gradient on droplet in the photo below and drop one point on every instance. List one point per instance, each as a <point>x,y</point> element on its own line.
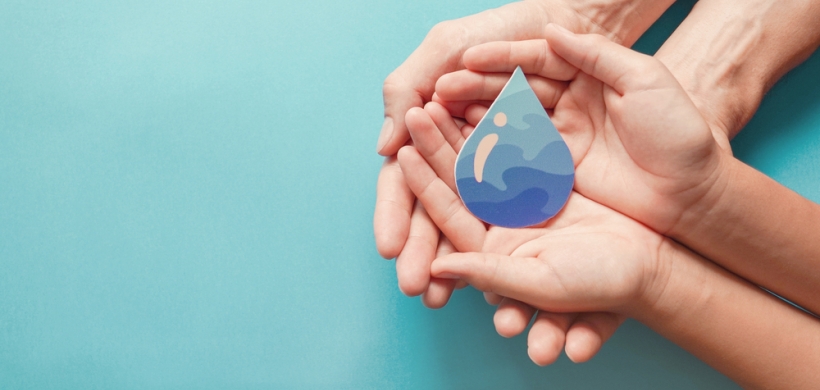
<point>528,175</point>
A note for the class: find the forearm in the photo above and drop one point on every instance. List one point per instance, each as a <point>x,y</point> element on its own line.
<point>728,53</point>
<point>760,230</point>
<point>752,337</point>
<point>622,21</point>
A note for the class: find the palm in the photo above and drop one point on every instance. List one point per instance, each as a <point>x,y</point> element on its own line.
<point>639,144</point>
<point>601,258</point>
<point>428,169</point>
<point>634,162</point>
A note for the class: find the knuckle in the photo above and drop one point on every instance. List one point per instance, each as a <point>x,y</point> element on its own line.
<point>652,74</point>
<point>541,58</point>
<point>490,263</point>
<point>442,29</point>
<point>393,84</point>
<point>450,212</point>
<point>451,33</point>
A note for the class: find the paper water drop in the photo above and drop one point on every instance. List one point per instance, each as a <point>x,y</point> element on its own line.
<point>515,170</point>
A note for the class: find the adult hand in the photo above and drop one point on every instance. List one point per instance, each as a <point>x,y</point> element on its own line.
<point>589,258</point>
<point>593,260</point>
<point>663,166</point>
<point>402,232</point>
<point>437,139</point>
<point>597,112</point>
<point>639,144</point>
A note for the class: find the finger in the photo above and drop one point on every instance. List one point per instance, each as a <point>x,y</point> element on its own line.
<point>440,290</point>
<point>493,298</point>
<point>467,85</point>
<point>457,108</point>
<point>394,203</point>
<point>512,317</point>
<point>410,85</point>
<point>619,67</point>
<point>534,56</point>
<point>547,336</point>
<point>413,263</point>
<point>460,122</point>
<point>450,129</point>
<point>461,284</point>
<point>526,279</point>
<point>465,131</point>
<point>462,110</point>
<point>505,241</point>
<point>474,113</point>
<point>398,98</point>
<point>442,204</point>
<point>429,141</point>
<point>438,293</point>
<point>589,332</point>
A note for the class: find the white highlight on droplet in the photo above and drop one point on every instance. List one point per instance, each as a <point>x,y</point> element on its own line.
<point>500,119</point>
<point>482,152</point>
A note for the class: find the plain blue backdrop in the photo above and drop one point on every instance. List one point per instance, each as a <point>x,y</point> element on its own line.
<point>186,196</point>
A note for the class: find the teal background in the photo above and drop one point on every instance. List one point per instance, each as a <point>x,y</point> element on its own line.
<point>186,195</point>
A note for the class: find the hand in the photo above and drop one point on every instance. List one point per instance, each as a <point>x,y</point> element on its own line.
<point>588,258</point>
<point>639,144</point>
<point>399,230</point>
<point>437,138</point>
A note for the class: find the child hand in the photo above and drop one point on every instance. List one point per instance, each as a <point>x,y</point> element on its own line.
<point>639,144</point>
<point>437,138</point>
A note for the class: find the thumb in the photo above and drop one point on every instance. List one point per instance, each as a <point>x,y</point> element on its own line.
<point>399,97</point>
<point>621,68</point>
<point>410,85</point>
<point>526,279</point>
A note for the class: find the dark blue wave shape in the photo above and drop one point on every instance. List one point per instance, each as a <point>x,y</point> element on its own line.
<point>532,196</point>
<point>554,158</point>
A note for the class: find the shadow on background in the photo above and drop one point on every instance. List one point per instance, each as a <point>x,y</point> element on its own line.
<point>783,138</point>
<point>635,357</point>
<point>784,108</point>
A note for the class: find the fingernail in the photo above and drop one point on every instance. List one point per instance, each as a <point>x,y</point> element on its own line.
<point>568,351</point>
<point>387,133</point>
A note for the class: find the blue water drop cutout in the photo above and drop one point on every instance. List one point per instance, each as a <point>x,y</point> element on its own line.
<point>515,170</point>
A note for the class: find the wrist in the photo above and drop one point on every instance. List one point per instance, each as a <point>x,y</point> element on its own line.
<point>700,213</point>
<point>622,21</point>
<point>728,53</point>
<point>674,289</point>
<point>758,229</point>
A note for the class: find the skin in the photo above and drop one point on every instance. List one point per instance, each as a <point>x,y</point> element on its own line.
<point>615,164</point>
<point>591,258</point>
<point>404,233</point>
<point>412,85</point>
<point>670,174</point>
<point>752,225</point>
<point>703,308</point>
<point>726,55</point>
<point>438,138</point>
<point>650,169</point>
